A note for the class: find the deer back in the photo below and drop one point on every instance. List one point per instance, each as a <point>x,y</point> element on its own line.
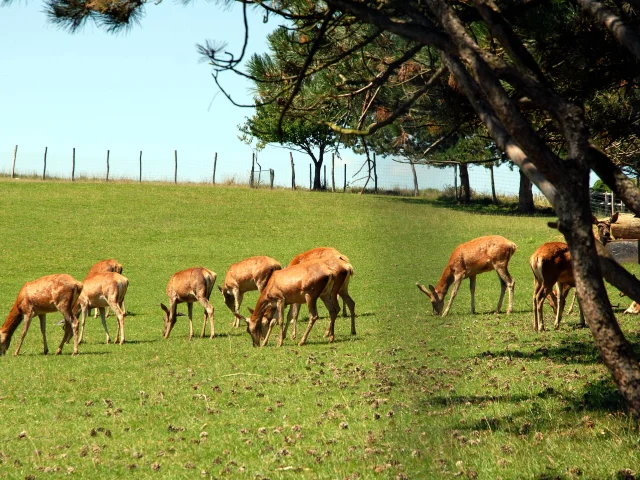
<point>318,253</point>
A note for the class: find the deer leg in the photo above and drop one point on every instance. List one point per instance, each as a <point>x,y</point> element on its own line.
<point>347,300</point>
<point>313,316</point>
<point>43,329</point>
<point>103,319</point>
<point>294,309</point>
<point>238,295</point>
<point>70,328</point>
<point>472,289</point>
<point>283,321</point>
<point>562,297</point>
<point>190,315</point>
<point>208,313</point>
<point>107,313</point>
<point>331,302</point>
<point>573,302</point>
<point>506,281</point>
<point>454,292</point>
<point>120,317</point>
<point>27,321</point>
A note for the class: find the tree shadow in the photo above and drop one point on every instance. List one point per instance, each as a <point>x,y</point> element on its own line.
<point>480,206</point>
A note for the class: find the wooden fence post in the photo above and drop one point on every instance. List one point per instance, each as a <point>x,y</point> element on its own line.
<point>333,169</point>
<point>13,165</point>
<point>215,163</point>
<point>415,179</point>
<point>44,169</point>
<point>310,182</point>
<point>293,172</point>
<point>253,161</point>
<point>140,166</point>
<point>375,174</point>
<point>73,165</point>
<point>344,189</point>
<point>107,177</point>
<point>455,179</point>
<point>272,177</point>
<point>175,166</point>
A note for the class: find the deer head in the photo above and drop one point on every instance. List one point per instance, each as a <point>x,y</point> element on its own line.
<point>258,324</point>
<point>229,299</point>
<point>437,300</point>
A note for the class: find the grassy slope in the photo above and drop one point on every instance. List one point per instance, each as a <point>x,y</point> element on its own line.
<point>420,396</point>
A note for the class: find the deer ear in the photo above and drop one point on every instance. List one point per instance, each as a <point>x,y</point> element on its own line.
<point>250,310</point>
<point>246,320</point>
<point>163,307</point>
<point>220,289</point>
<point>594,220</point>
<point>432,288</point>
<point>614,218</point>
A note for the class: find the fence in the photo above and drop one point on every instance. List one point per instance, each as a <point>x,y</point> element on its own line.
<point>604,204</point>
<point>290,170</point>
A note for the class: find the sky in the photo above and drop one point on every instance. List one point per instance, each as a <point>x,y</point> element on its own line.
<point>147,90</point>
<point>142,90</point>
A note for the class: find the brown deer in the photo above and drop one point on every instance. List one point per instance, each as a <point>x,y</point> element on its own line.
<point>551,265</point>
<point>103,290</point>
<point>478,256</point>
<point>553,261</point>
<point>189,286</point>
<point>103,266</point>
<point>246,276</point>
<point>302,283</point>
<point>39,297</point>
<point>324,253</point>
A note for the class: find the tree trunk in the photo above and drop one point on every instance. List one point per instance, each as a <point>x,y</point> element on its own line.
<point>317,176</point>
<point>525,196</point>
<point>465,188</point>
<point>574,220</point>
<point>493,188</point>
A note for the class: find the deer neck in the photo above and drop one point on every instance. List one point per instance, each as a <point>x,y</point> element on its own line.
<point>446,279</point>
<point>11,323</point>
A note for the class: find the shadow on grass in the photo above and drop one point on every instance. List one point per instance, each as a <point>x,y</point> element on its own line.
<point>481,206</point>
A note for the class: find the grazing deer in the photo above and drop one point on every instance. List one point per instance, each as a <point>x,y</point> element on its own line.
<point>103,290</point>
<point>478,256</point>
<point>553,260</point>
<point>39,297</point>
<point>551,265</point>
<point>633,309</point>
<point>302,283</point>
<point>324,253</point>
<point>103,266</point>
<point>190,285</point>
<point>246,276</point>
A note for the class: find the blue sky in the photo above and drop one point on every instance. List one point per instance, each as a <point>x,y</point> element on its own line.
<point>145,89</point>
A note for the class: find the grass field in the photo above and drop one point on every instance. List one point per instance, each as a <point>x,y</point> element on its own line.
<point>411,396</point>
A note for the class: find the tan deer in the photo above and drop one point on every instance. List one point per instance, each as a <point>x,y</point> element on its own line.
<point>302,283</point>
<point>103,266</point>
<point>39,297</point>
<point>324,253</point>
<point>478,256</point>
<point>189,286</point>
<point>246,276</point>
<point>553,260</point>
<point>551,265</point>
<point>103,290</point>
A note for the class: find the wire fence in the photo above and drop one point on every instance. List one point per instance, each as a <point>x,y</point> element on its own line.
<point>177,166</point>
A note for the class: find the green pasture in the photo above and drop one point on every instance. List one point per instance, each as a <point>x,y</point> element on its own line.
<point>411,396</point>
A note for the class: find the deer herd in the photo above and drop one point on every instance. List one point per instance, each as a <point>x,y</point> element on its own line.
<point>321,273</point>
<point>550,264</point>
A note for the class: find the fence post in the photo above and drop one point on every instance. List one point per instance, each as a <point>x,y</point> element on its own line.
<point>44,169</point>
<point>325,177</point>
<point>73,165</point>
<point>455,180</point>
<point>107,178</point>
<point>612,204</point>
<point>13,165</point>
<point>333,169</point>
<point>415,179</point>
<point>140,166</point>
<point>310,184</point>
<point>375,174</point>
<point>344,189</point>
<point>175,166</point>
<point>293,172</point>
<point>272,177</point>
<point>215,163</point>
<point>253,160</point>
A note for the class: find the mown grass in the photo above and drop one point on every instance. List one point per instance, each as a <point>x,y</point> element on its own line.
<point>411,396</point>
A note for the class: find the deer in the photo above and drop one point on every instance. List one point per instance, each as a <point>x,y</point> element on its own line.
<point>551,265</point>
<point>189,286</point>
<point>248,275</point>
<point>468,260</point>
<point>324,253</point>
<point>39,297</point>
<point>302,283</point>
<point>103,290</point>
<point>109,265</point>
